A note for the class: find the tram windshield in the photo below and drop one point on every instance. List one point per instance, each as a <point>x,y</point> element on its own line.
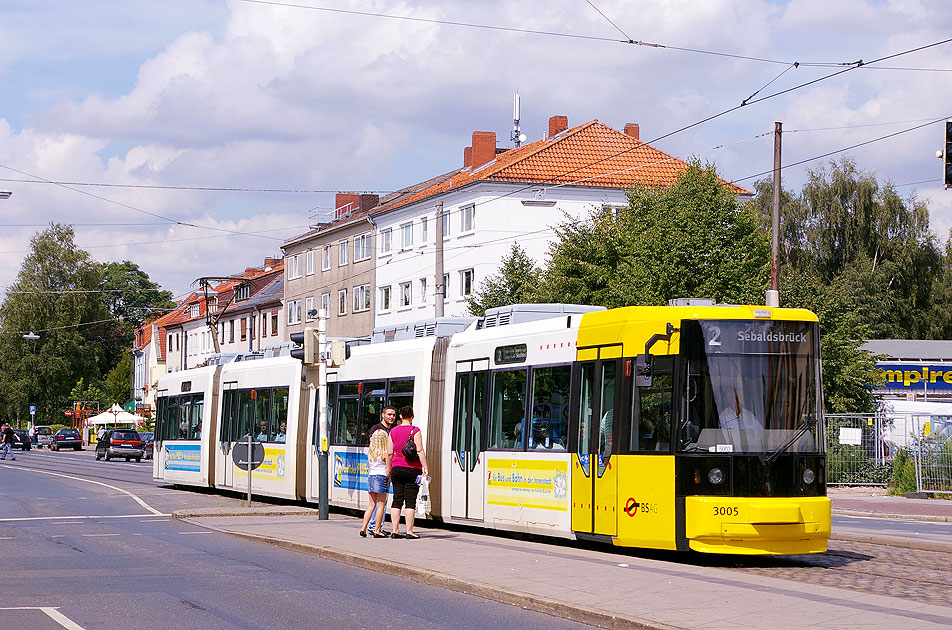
<point>749,387</point>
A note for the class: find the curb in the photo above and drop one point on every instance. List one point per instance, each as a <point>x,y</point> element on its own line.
<point>556,608</point>
<point>896,542</point>
<point>908,517</point>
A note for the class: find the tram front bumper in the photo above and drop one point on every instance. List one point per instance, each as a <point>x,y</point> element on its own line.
<point>769,525</point>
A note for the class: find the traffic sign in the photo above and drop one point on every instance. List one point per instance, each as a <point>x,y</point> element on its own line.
<point>32,410</point>
<point>68,412</point>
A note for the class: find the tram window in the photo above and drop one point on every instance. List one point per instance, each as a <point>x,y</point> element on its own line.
<point>651,422</point>
<point>550,400</point>
<point>348,389</point>
<point>183,418</point>
<point>345,430</point>
<point>279,416</point>
<point>229,405</point>
<point>459,433</point>
<point>371,410</point>
<point>507,416</point>
<point>262,417</point>
<point>404,386</point>
<point>160,418</point>
<point>607,423</point>
<point>243,425</point>
<point>195,421</point>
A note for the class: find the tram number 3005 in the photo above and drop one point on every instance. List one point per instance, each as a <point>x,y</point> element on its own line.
<point>720,510</point>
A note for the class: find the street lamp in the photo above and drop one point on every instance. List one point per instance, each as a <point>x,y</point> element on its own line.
<point>31,336</point>
<point>5,194</point>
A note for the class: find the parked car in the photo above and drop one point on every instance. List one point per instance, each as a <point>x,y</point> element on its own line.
<point>67,438</point>
<point>148,443</point>
<point>23,440</point>
<point>125,443</point>
<point>44,435</point>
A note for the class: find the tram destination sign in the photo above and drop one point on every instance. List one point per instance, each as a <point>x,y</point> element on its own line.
<point>755,337</point>
<point>511,354</point>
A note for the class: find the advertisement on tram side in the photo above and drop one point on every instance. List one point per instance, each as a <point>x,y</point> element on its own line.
<point>540,484</point>
<point>272,466</point>
<point>350,471</point>
<point>187,457</point>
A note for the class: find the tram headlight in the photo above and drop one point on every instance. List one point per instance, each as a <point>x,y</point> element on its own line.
<point>715,476</point>
<point>809,476</point>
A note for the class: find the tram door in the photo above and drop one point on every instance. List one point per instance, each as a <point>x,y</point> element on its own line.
<point>594,475</point>
<point>225,473</point>
<point>468,476</point>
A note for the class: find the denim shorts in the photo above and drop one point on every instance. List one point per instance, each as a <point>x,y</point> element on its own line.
<point>378,483</point>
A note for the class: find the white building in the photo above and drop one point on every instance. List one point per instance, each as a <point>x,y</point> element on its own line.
<point>499,198</point>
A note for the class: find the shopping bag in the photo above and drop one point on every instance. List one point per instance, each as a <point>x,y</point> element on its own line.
<point>423,497</point>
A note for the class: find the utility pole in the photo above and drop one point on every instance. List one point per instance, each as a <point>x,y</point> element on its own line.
<point>321,415</point>
<point>773,295</point>
<point>438,298</point>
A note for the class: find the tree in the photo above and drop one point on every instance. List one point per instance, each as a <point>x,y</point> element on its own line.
<point>693,239</point>
<point>117,385</point>
<point>517,282</point>
<point>51,296</point>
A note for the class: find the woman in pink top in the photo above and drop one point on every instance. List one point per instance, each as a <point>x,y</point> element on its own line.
<point>404,473</point>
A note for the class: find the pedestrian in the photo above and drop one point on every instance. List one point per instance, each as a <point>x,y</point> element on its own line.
<point>7,437</point>
<point>378,481</point>
<point>405,471</point>
<point>387,419</point>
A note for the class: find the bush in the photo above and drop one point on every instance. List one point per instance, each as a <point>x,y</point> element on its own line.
<point>903,472</point>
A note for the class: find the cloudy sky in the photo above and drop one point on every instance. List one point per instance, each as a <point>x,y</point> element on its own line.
<point>168,101</point>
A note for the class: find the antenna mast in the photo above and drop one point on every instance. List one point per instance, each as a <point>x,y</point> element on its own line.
<point>517,136</point>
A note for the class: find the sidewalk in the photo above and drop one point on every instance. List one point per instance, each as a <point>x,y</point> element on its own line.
<point>601,588</point>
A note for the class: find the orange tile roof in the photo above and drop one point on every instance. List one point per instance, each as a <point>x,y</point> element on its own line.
<point>592,154</point>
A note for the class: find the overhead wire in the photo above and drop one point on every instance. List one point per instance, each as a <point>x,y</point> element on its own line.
<point>181,187</point>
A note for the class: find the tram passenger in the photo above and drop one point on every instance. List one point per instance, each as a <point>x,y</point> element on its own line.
<point>737,415</point>
<point>404,472</point>
<point>281,435</point>
<point>262,435</point>
<point>378,481</point>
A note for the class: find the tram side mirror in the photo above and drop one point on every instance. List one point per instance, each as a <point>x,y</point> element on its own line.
<point>643,370</point>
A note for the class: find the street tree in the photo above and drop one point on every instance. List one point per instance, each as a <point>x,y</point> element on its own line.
<point>692,239</point>
<point>517,282</point>
<point>51,297</point>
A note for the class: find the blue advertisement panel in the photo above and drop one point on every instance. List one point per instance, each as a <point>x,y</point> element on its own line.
<point>183,457</point>
<point>350,471</point>
<point>916,377</point>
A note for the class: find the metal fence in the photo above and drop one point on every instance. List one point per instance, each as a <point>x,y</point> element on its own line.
<point>862,449</point>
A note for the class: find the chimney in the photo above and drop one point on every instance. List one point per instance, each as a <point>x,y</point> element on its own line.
<point>631,129</point>
<point>271,262</point>
<point>345,203</point>
<point>467,157</point>
<point>368,201</point>
<point>558,124</point>
<point>484,148</point>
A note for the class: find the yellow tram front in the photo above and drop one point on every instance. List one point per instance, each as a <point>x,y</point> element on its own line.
<point>700,428</point>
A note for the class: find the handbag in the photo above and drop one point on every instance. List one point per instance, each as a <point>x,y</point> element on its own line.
<point>409,449</point>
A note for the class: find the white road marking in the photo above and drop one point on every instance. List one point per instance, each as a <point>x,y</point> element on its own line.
<point>53,614</point>
<point>100,535</point>
<point>6,537</point>
<point>98,483</point>
<point>186,533</point>
<point>85,518</point>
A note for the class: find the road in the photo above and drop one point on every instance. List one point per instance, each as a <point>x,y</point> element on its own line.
<point>87,545</point>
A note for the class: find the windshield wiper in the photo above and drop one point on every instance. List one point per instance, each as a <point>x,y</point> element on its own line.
<point>808,424</point>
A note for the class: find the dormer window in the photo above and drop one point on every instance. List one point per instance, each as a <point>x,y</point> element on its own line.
<point>194,310</point>
<point>242,293</point>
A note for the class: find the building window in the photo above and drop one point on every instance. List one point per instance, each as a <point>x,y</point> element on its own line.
<point>308,307</point>
<point>342,253</point>
<point>194,310</point>
<point>294,266</point>
<point>362,247</point>
<point>423,295</point>
<point>309,262</point>
<point>231,331</point>
<point>294,312</point>
<point>274,324</point>
<point>424,229</point>
<point>326,258</point>
<point>406,235</point>
<point>244,328</point>
<point>406,293</point>
<point>362,298</point>
<point>386,240</point>
<point>446,284</point>
<point>466,215</point>
<point>326,303</point>
<point>383,304</point>
<point>342,302</point>
<point>446,224</point>
<point>242,293</point>
<point>466,282</point>
<point>251,324</point>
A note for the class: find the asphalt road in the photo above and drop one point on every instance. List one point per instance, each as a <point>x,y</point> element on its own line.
<point>88,545</point>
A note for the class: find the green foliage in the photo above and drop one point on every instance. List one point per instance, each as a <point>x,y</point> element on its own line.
<point>117,386</point>
<point>517,282</point>
<point>691,239</point>
<point>903,472</point>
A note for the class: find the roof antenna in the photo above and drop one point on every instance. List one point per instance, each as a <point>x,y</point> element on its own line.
<point>517,136</point>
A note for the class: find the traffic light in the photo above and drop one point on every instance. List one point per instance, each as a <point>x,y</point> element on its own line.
<point>309,351</point>
<point>298,338</point>
<point>947,155</point>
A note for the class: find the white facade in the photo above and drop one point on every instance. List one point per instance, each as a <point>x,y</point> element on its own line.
<point>484,220</point>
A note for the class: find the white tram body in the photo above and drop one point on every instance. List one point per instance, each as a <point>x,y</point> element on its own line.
<point>188,402</point>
